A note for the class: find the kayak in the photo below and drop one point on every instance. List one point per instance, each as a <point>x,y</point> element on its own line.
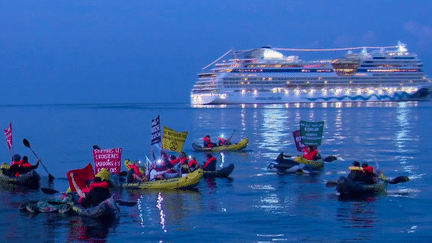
<point>30,179</point>
<point>347,187</point>
<point>232,147</point>
<point>222,173</point>
<point>189,180</point>
<point>285,164</point>
<point>106,210</point>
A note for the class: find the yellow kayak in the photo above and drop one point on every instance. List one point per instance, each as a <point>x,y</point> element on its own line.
<point>232,147</point>
<point>189,180</point>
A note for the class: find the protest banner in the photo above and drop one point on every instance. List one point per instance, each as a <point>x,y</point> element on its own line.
<point>155,131</point>
<point>108,159</point>
<point>311,132</point>
<point>173,140</point>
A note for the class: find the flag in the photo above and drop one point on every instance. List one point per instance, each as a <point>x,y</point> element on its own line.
<point>8,134</point>
<point>155,131</point>
<point>297,140</point>
<point>108,159</point>
<point>311,132</point>
<point>81,176</point>
<point>173,140</point>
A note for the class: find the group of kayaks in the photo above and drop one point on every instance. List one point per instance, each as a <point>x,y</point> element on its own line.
<point>346,187</point>
<point>64,203</point>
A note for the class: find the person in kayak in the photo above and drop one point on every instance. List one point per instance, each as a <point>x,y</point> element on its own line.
<point>356,173</point>
<point>310,152</point>
<point>207,142</point>
<point>94,194</point>
<point>210,164</point>
<point>184,162</point>
<point>134,174</point>
<point>193,164</point>
<point>368,172</point>
<point>19,167</point>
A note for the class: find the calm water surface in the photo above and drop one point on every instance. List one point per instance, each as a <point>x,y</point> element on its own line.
<point>254,205</point>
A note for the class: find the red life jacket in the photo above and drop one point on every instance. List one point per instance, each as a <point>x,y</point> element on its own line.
<point>221,141</point>
<point>309,155</point>
<point>102,184</point>
<point>210,164</point>
<point>20,163</point>
<point>192,163</point>
<point>174,161</point>
<point>183,160</point>
<point>207,142</point>
<point>368,170</point>
<point>135,169</point>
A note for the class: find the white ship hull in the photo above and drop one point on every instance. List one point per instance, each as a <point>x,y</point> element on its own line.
<point>235,98</point>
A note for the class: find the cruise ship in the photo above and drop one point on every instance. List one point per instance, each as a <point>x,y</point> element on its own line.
<point>266,76</point>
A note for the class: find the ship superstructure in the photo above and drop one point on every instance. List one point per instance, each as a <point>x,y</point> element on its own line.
<point>266,76</point>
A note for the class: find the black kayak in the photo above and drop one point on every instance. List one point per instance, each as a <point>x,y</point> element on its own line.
<point>350,188</point>
<point>289,164</point>
<point>30,179</point>
<point>106,210</point>
<point>222,173</point>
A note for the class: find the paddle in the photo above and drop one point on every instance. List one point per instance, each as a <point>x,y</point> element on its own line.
<point>396,180</point>
<point>51,191</point>
<point>230,136</point>
<point>27,144</point>
<point>330,158</point>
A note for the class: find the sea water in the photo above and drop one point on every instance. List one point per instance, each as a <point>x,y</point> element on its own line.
<point>254,204</point>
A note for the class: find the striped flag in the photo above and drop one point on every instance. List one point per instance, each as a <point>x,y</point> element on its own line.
<point>8,134</point>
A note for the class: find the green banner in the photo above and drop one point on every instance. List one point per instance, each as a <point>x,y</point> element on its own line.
<point>311,132</point>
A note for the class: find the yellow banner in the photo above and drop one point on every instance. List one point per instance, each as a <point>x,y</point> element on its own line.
<point>172,140</point>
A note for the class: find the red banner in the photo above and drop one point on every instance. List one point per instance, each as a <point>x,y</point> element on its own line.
<point>81,176</point>
<point>108,159</point>
<point>8,134</point>
<point>297,140</point>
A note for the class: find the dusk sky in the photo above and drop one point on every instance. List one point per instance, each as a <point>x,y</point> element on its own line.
<point>74,51</point>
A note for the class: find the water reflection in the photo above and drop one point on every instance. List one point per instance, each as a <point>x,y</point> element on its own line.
<point>360,214</point>
<point>167,210</point>
<point>315,105</point>
<point>89,229</point>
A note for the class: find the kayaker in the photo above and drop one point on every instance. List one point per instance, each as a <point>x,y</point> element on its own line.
<point>183,158</point>
<point>134,174</point>
<point>368,172</point>
<point>207,141</point>
<point>222,141</point>
<point>210,164</point>
<point>310,152</point>
<point>19,167</point>
<point>317,155</point>
<point>94,194</point>
<point>193,164</point>
<point>184,162</point>
<point>356,172</point>
<point>173,161</point>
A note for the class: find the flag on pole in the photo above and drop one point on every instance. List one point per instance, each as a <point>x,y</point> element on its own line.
<point>155,131</point>
<point>8,134</point>
<point>297,140</point>
<point>173,140</point>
